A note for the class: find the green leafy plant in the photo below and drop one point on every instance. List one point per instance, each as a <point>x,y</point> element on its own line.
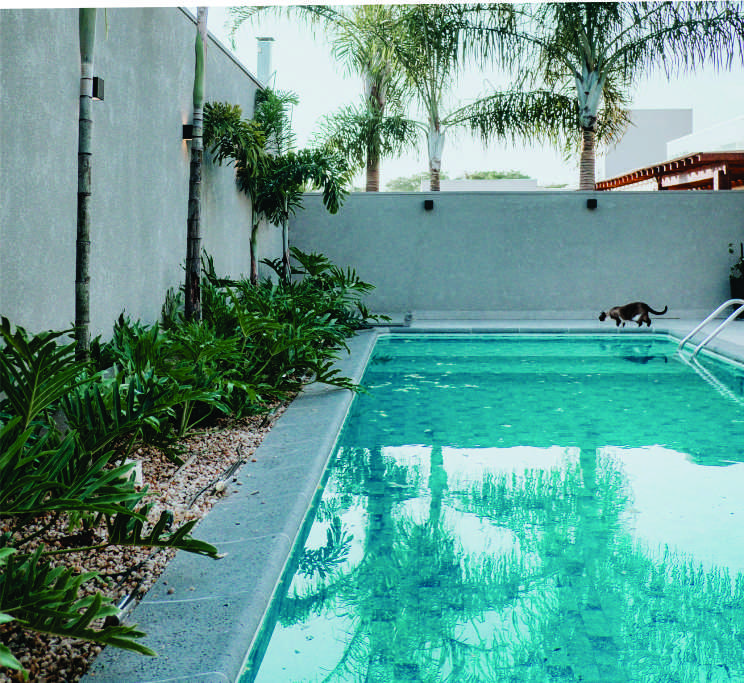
<point>51,475</point>
<point>737,268</point>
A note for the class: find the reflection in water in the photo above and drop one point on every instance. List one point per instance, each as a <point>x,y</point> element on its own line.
<point>441,561</point>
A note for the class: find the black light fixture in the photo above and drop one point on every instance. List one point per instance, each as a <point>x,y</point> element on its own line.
<point>188,131</point>
<point>591,203</point>
<point>97,88</point>
<point>428,204</point>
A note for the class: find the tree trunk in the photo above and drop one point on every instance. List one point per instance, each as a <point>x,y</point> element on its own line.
<point>87,33</point>
<point>436,145</point>
<point>586,167</point>
<point>254,251</point>
<point>193,223</point>
<point>285,252</point>
<point>373,174</point>
<point>285,245</point>
<point>589,88</point>
<point>375,92</point>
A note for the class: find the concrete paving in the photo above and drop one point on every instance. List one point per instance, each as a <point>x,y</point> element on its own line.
<point>203,629</point>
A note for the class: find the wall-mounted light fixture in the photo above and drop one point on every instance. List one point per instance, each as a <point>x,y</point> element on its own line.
<point>188,131</point>
<point>97,88</point>
<point>591,203</point>
<point>428,204</point>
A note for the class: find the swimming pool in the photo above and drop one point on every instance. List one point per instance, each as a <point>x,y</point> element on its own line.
<point>506,508</point>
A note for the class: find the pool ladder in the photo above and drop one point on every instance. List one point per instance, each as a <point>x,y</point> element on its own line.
<point>739,309</point>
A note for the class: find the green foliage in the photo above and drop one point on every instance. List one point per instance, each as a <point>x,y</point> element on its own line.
<point>410,183</point>
<point>66,427</point>
<point>231,138</point>
<point>363,134</point>
<point>737,268</point>
<point>53,473</point>
<point>495,175</point>
<point>286,332</point>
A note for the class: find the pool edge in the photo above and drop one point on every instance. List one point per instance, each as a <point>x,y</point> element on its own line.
<point>203,629</point>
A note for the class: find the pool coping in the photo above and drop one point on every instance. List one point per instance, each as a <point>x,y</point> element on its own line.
<point>200,616</point>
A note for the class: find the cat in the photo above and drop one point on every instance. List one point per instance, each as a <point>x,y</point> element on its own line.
<point>622,313</point>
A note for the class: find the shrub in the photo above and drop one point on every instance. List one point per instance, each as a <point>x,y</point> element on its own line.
<point>49,475</point>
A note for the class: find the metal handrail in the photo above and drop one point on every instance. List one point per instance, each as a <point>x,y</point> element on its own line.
<point>740,309</point>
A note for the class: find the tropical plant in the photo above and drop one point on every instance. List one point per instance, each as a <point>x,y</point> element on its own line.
<point>286,178</point>
<point>376,128</point>
<point>193,228</point>
<point>364,136</point>
<point>591,54</point>
<point>48,479</point>
<point>87,34</point>
<point>241,142</point>
<point>432,43</point>
<point>273,176</point>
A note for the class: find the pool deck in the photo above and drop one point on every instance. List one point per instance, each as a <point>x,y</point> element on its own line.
<point>202,615</point>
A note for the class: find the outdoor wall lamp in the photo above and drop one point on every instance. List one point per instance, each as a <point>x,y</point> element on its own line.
<point>428,204</point>
<point>188,131</point>
<point>591,203</point>
<point>97,89</point>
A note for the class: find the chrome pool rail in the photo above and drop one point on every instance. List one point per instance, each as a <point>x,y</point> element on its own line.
<point>740,308</point>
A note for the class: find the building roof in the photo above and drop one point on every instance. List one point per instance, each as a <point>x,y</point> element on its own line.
<point>700,171</point>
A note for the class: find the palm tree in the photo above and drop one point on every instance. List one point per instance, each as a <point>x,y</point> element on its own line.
<point>364,134</point>
<point>278,189</point>
<point>595,52</point>
<point>233,139</point>
<point>273,181</point>
<point>193,239</point>
<point>87,32</point>
<point>433,42</point>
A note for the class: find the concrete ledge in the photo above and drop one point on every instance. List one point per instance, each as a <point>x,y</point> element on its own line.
<point>203,628</point>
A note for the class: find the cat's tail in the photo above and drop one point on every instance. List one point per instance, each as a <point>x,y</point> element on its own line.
<point>651,310</point>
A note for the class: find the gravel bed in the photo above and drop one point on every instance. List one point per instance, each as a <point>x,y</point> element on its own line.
<point>212,458</point>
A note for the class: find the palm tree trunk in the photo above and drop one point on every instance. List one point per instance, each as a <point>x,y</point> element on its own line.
<point>254,250</point>
<point>87,32</point>
<point>285,245</point>
<point>436,145</point>
<point>193,222</point>
<point>373,174</point>
<point>587,165</point>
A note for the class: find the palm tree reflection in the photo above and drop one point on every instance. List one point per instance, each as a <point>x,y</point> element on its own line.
<point>571,596</point>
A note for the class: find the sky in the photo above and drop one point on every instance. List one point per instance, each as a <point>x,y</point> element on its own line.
<point>303,64</point>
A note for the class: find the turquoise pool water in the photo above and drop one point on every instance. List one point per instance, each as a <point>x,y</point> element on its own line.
<point>534,508</point>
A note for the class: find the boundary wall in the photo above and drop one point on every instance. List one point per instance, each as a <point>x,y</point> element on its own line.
<point>140,165</point>
<point>531,255</point>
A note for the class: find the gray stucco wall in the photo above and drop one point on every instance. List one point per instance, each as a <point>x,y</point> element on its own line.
<point>140,164</point>
<point>531,255</point>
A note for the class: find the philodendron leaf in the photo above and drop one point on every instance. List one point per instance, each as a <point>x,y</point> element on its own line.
<point>45,598</point>
<point>8,660</point>
<point>125,529</point>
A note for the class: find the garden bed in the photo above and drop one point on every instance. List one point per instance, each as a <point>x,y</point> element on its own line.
<point>212,458</point>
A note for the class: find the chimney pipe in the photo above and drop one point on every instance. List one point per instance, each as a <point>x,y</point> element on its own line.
<point>263,66</point>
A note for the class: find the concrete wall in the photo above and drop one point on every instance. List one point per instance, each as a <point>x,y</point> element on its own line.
<point>645,141</point>
<point>140,164</point>
<point>531,255</point>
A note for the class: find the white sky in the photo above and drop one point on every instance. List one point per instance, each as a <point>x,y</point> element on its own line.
<point>303,64</point>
